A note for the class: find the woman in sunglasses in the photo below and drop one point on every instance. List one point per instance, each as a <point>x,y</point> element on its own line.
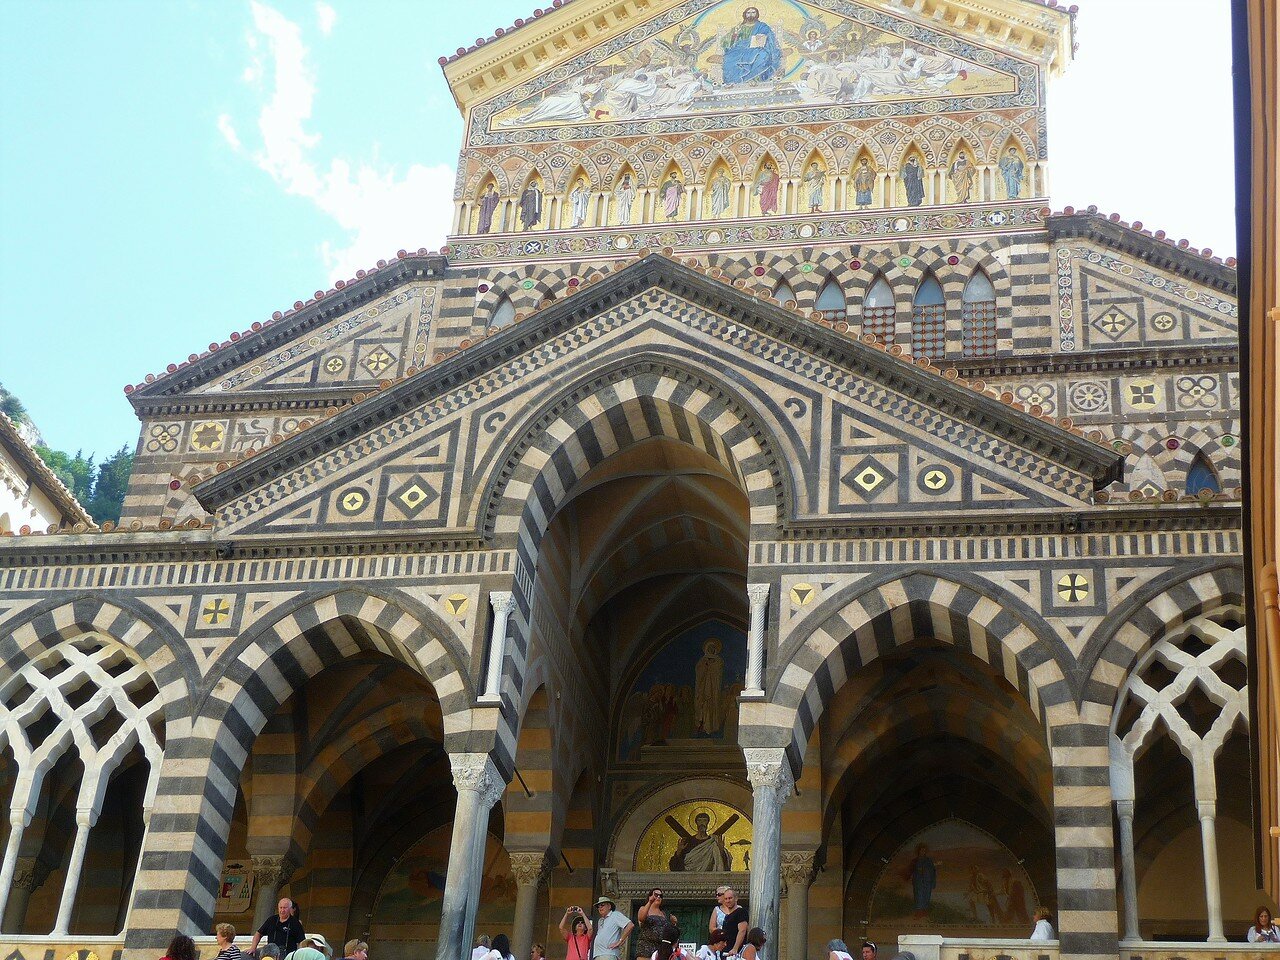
<point>651,920</point>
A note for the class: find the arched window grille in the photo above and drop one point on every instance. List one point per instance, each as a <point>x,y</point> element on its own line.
<point>878,311</point>
<point>978,327</point>
<point>928,320</point>
<point>831,301</point>
<point>504,314</point>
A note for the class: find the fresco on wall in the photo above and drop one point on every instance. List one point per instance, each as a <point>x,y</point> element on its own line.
<point>739,55</point>
<point>954,873</point>
<point>407,910</point>
<point>687,694</point>
<point>697,836</point>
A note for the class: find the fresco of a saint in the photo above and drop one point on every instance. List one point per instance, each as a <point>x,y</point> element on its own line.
<point>696,836</point>
<point>751,51</point>
<point>1012,169</point>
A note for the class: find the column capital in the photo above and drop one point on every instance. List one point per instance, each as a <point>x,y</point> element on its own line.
<point>758,593</point>
<point>29,873</point>
<point>477,772</point>
<point>272,869</point>
<point>1124,808</point>
<point>502,601</point>
<point>797,867</point>
<point>1207,809</point>
<point>529,867</point>
<point>769,769</point>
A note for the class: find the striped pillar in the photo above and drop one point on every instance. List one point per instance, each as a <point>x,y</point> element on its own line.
<point>1082,802</point>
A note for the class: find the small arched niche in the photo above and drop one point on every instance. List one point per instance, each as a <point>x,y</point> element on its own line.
<point>928,319</point>
<point>717,199</point>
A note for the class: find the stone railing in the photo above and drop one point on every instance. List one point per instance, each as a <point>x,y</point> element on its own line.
<point>1195,950</point>
<point>977,948</point>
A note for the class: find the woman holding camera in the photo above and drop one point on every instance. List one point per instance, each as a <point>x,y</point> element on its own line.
<point>576,929</point>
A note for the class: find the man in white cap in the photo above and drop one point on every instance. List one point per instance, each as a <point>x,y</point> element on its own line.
<point>612,930</point>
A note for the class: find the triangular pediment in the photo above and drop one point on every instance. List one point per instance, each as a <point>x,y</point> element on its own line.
<point>412,456</point>
<point>705,64</point>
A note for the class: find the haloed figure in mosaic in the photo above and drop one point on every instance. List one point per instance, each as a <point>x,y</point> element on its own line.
<point>815,182</point>
<point>531,205</point>
<point>767,187</point>
<point>913,181</point>
<point>962,176</point>
<point>1012,169</point>
<point>721,187</point>
<point>625,196</point>
<point>672,191</point>
<point>864,180</point>
<point>751,51</point>
<point>488,204</point>
<point>579,198</point>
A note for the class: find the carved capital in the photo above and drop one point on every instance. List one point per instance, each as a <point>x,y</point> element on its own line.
<point>29,873</point>
<point>502,601</point>
<point>797,867</point>
<point>769,770</point>
<point>272,871</point>
<point>758,593</point>
<point>529,868</point>
<point>476,772</point>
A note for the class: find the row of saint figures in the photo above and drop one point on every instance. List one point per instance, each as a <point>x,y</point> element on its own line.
<point>629,202</point>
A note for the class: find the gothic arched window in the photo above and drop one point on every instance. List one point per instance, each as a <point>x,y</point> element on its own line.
<point>831,301</point>
<point>504,314</point>
<point>1201,476</point>
<point>978,327</point>
<point>928,320</point>
<point>878,310</point>
<point>785,295</point>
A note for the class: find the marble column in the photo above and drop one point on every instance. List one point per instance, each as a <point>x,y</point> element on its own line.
<point>1128,869</point>
<point>771,783</point>
<point>28,876</point>
<point>758,598</point>
<point>85,819</point>
<point>1207,810</point>
<point>19,820</point>
<point>503,603</point>
<point>797,874</point>
<point>529,868</point>
<point>479,786</point>
<point>270,873</point>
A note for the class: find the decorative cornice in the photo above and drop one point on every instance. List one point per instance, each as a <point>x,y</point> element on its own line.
<point>919,380</point>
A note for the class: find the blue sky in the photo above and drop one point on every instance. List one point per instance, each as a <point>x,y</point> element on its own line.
<point>174,170</point>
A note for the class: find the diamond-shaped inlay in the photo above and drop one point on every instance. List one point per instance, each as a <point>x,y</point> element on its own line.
<point>377,360</point>
<point>868,477</point>
<point>415,496</point>
<point>1115,323</point>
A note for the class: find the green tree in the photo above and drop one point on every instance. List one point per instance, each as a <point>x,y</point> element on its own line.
<point>12,407</point>
<point>110,485</point>
<point>76,473</point>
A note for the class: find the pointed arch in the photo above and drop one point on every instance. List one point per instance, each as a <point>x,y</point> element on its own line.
<point>717,198</point>
<point>831,301</point>
<point>879,310</point>
<point>815,194</point>
<point>964,183</point>
<point>1014,168</point>
<point>1202,477</point>
<point>671,201</point>
<point>503,315</point>
<point>532,205</point>
<point>765,198</point>
<point>913,178</point>
<point>784,294</point>
<point>487,209</point>
<point>626,190</point>
<point>864,189</point>
<point>928,319</point>
<point>978,321</point>
<point>576,212</point>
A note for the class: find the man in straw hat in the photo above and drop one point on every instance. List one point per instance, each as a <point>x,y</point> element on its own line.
<point>612,930</point>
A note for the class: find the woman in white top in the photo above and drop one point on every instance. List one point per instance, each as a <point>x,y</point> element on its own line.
<point>1044,929</point>
<point>1263,930</point>
<point>501,949</point>
<point>838,950</point>
<point>714,949</point>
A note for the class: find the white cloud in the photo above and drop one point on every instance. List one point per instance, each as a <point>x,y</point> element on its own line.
<point>228,131</point>
<point>377,208</point>
<point>326,16</point>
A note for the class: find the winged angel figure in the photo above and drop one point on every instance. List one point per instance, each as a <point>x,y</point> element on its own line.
<point>685,48</point>
<point>816,41</point>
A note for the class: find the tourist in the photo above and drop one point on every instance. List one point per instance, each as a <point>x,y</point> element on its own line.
<point>838,950</point>
<point>181,947</point>
<point>717,912</point>
<point>1043,929</point>
<point>754,947</point>
<point>482,947</point>
<point>537,952</point>
<point>307,950</point>
<point>735,921</point>
<point>869,950</point>
<point>576,930</point>
<point>668,944</point>
<point>651,920</point>
<point>501,949</point>
<point>268,951</point>
<point>714,948</point>
<point>612,929</point>
<point>1263,930</point>
<point>355,950</point>
<point>226,936</point>
<point>284,929</point>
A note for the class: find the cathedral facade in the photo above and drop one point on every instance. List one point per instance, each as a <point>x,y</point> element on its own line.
<point>764,487</point>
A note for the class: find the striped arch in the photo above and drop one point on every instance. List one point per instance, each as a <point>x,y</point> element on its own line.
<point>1110,653</point>
<point>859,624</point>
<point>827,265</point>
<point>1195,438</point>
<point>30,634</point>
<point>510,283</point>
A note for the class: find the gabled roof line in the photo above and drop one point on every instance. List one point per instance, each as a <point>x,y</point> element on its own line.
<point>41,475</point>
<point>999,413</point>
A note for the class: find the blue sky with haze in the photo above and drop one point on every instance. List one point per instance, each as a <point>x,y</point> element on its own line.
<point>174,170</point>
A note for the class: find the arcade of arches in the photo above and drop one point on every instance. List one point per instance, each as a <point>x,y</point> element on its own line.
<point>708,511</point>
